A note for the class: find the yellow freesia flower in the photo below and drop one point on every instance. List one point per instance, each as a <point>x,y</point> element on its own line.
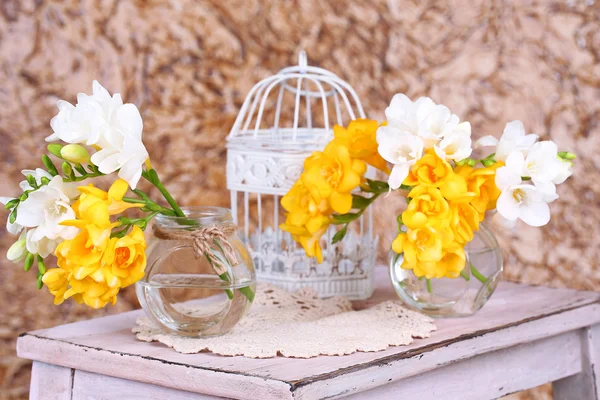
<point>418,245</point>
<point>361,140</point>
<point>454,188</point>
<point>304,209</point>
<point>426,208</point>
<point>56,279</point>
<point>332,175</point>
<point>124,260</point>
<point>429,170</point>
<point>93,267</point>
<point>465,221</point>
<point>481,182</point>
<point>452,263</point>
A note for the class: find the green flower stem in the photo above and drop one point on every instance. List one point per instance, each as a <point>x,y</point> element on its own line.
<point>149,204</point>
<point>428,283</point>
<point>480,277</point>
<point>465,276</point>
<point>152,177</point>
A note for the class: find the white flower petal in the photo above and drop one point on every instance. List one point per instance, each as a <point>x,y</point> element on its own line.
<point>130,120</point>
<point>398,175</point>
<point>131,172</point>
<point>535,213</point>
<point>507,206</point>
<point>486,141</point>
<point>30,212</point>
<point>514,130</point>
<point>548,190</point>
<point>506,178</point>
<point>107,160</point>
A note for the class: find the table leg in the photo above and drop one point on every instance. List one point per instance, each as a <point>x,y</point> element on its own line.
<point>586,384</point>
<point>50,382</point>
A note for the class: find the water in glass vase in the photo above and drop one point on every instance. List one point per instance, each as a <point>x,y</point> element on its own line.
<point>195,304</point>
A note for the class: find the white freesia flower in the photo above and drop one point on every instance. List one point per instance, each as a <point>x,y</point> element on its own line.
<point>401,149</point>
<point>104,122</point>
<point>43,211</point>
<point>524,202</point>
<point>38,174</point>
<point>423,118</point>
<point>541,164</point>
<point>456,145</point>
<point>513,138</point>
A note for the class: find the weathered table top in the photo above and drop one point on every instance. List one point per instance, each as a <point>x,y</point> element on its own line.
<point>550,319</point>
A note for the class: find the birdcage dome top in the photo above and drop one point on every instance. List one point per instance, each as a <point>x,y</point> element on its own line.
<point>294,109</point>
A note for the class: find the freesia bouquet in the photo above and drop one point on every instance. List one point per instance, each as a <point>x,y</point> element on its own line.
<point>60,212</point>
<point>427,153</point>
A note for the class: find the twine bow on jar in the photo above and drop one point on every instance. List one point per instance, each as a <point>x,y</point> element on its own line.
<point>202,240</point>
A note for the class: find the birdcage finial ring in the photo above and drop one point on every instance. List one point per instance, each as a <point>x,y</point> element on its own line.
<point>302,61</point>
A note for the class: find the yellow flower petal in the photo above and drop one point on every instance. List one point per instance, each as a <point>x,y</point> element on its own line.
<point>117,190</point>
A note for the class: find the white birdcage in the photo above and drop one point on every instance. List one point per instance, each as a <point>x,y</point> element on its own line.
<point>284,119</point>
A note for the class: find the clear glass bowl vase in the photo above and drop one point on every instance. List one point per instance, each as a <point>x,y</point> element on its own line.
<point>458,297</point>
<point>196,296</point>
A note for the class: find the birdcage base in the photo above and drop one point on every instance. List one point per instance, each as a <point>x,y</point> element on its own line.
<point>346,270</point>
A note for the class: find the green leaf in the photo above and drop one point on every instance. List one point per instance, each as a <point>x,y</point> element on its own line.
<point>378,186</point>
<point>360,202</point>
<point>50,167</point>
<point>11,204</point>
<point>28,262</point>
<point>339,235</point>
<point>338,219</point>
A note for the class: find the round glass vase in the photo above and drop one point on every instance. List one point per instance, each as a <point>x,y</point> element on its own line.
<point>458,297</point>
<point>190,295</point>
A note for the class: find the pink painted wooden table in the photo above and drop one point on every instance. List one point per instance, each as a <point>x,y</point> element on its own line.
<point>525,336</point>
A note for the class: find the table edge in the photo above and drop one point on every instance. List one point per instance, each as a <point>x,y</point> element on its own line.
<point>294,385</point>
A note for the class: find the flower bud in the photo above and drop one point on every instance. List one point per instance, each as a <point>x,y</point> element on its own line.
<point>28,262</point>
<point>566,155</point>
<point>486,162</point>
<point>55,149</point>
<point>67,169</point>
<point>49,165</point>
<point>471,162</point>
<point>17,252</point>
<point>75,153</point>
<point>31,180</point>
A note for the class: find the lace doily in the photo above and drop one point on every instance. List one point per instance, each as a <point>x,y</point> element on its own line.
<point>302,325</point>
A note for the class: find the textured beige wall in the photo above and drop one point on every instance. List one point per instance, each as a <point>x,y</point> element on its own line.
<point>188,65</point>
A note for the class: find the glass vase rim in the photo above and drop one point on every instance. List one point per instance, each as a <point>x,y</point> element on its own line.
<point>204,216</point>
